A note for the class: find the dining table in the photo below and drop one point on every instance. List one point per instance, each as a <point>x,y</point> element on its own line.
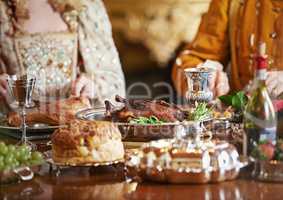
<point>112,182</point>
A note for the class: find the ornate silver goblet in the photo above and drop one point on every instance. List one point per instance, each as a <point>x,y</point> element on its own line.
<point>21,88</point>
<point>198,90</point>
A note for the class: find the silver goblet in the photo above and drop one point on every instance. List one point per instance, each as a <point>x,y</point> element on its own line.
<point>198,89</point>
<point>21,88</point>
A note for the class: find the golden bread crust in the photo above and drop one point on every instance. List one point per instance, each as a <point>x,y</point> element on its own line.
<point>87,142</point>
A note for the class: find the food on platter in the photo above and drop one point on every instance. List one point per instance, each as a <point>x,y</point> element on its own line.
<point>268,158</point>
<point>53,113</point>
<point>266,151</point>
<point>135,108</point>
<point>14,119</point>
<point>146,120</point>
<point>180,161</point>
<point>227,114</point>
<point>14,159</point>
<point>85,142</point>
<point>200,112</point>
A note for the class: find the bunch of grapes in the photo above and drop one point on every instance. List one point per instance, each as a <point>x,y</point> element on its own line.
<point>12,156</point>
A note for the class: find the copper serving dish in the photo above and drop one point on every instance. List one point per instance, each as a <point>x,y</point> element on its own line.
<point>184,161</point>
<point>144,133</point>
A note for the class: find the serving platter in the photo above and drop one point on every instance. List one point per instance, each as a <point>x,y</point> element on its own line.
<point>94,164</point>
<point>183,161</point>
<point>144,132</point>
<point>35,132</point>
<point>48,156</point>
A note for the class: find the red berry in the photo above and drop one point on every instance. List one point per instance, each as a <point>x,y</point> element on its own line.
<point>267,150</point>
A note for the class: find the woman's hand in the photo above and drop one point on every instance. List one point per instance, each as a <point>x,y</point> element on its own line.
<point>84,87</point>
<point>3,87</point>
<point>274,83</point>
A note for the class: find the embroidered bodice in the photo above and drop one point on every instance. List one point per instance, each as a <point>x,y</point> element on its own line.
<point>53,57</point>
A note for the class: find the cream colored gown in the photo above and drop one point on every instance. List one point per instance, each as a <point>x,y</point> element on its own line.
<point>56,58</point>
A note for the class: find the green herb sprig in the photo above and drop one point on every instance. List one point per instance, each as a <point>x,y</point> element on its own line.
<point>201,112</point>
<point>146,120</point>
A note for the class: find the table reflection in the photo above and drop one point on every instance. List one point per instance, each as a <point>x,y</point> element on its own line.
<point>109,183</point>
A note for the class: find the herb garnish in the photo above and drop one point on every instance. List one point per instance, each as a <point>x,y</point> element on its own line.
<point>146,120</point>
<point>201,112</point>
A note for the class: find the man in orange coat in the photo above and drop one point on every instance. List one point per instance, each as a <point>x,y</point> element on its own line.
<point>229,34</point>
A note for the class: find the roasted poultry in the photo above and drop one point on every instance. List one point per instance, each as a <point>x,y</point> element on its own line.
<point>54,113</point>
<point>134,108</point>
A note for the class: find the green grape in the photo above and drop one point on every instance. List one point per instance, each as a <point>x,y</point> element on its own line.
<point>36,156</point>
<point>34,162</point>
<point>9,159</point>
<point>17,154</point>
<point>3,149</point>
<point>24,149</point>
<point>17,163</point>
<point>11,148</point>
<point>1,158</point>
<point>1,165</point>
<point>24,158</point>
<point>27,163</point>
<point>2,144</point>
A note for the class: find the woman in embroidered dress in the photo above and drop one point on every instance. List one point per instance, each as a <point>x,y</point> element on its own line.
<point>66,44</point>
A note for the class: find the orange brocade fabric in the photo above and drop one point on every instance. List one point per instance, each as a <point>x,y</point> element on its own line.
<point>229,32</point>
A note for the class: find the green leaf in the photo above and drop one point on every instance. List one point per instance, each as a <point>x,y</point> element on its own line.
<point>226,99</point>
<point>236,100</point>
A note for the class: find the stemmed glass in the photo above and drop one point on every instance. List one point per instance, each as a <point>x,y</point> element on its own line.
<point>198,90</point>
<point>21,88</point>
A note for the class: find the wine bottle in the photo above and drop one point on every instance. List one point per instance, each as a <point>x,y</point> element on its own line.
<point>260,120</point>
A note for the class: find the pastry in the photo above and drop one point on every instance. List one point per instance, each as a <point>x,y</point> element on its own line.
<point>85,142</point>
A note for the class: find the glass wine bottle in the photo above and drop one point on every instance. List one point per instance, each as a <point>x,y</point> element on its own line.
<point>260,119</point>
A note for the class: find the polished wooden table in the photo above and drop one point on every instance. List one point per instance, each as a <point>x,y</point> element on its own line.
<point>109,183</point>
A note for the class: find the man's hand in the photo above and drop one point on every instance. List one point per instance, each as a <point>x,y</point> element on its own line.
<point>84,87</point>
<point>218,80</point>
<point>274,83</point>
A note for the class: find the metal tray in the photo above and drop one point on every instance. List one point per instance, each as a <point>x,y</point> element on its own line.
<point>144,133</point>
<point>35,132</point>
<point>156,161</point>
<point>48,156</point>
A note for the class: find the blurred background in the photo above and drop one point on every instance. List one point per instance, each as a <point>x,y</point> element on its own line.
<point>148,35</point>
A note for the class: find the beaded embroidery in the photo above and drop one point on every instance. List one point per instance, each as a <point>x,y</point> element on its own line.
<point>51,58</point>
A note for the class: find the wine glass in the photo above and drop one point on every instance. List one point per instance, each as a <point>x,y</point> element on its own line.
<point>21,88</point>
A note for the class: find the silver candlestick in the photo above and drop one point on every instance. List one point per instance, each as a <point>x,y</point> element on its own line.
<point>21,88</point>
